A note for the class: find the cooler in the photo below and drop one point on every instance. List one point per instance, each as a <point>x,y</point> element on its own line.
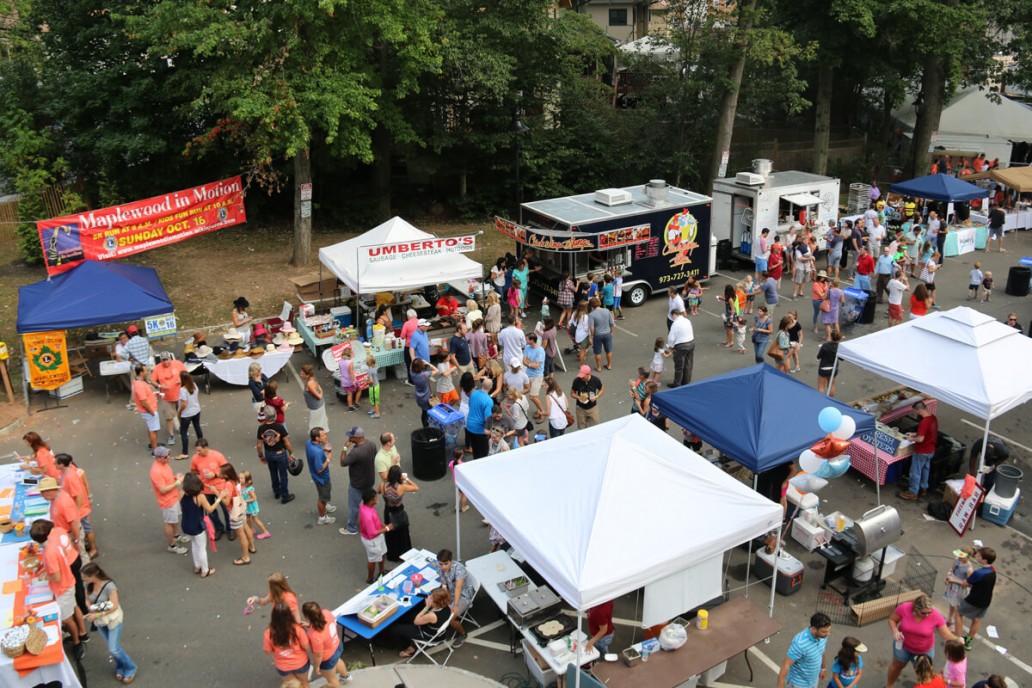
<point>790,571</point>
<point>342,314</point>
<point>449,421</point>
<point>998,509</point>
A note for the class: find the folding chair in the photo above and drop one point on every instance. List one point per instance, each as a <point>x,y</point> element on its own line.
<point>467,615</point>
<point>438,639</point>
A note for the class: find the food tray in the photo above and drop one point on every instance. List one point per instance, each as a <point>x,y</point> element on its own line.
<point>379,609</point>
<point>565,627</point>
<point>12,642</point>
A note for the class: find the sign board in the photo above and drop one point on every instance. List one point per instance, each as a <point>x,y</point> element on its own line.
<point>159,326</point>
<point>306,208</point>
<point>964,510</point>
<point>724,158</point>
<point>46,356</point>
<point>574,241</point>
<point>886,444</point>
<point>124,230</point>
<point>419,248</point>
<point>965,241</point>
<point>306,192</point>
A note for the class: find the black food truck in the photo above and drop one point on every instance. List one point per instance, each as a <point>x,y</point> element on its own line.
<point>657,234</point>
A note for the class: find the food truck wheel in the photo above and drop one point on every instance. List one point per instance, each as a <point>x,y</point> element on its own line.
<point>637,294</point>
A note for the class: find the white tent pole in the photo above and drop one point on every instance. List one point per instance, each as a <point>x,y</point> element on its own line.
<point>748,559</point>
<point>981,466</point>
<point>580,617</point>
<point>458,527</point>
<point>774,581</point>
<point>877,467</point>
<point>834,372</point>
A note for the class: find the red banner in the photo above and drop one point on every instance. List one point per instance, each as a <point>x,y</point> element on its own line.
<point>124,230</point>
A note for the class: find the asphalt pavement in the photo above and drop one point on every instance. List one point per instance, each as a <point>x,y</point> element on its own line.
<point>184,630</point>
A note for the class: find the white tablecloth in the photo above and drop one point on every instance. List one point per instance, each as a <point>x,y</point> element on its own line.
<point>234,370</point>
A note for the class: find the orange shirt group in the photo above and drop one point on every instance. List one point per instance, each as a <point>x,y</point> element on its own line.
<point>166,376</point>
<point>212,463</point>
<point>56,561</point>
<point>143,395</point>
<point>161,474</point>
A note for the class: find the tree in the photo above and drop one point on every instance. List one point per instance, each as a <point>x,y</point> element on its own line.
<point>282,73</point>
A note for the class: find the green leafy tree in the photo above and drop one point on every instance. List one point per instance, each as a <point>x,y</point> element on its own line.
<point>279,74</point>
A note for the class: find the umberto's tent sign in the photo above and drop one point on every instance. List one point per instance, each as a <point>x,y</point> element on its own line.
<point>124,230</point>
<point>420,248</point>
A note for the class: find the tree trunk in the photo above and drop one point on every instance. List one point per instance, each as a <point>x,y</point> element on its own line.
<point>302,225</point>
<point>822,124</point>
<point>729,106</point>
<point>929,111</point>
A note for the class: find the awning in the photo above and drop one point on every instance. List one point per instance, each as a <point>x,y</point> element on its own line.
<point>802,199</point>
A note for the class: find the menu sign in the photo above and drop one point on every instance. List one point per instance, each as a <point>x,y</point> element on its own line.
<point>574,240</point>
<point>964,510</point>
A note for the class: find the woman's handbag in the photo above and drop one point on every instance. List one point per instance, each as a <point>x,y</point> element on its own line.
<point>399,519</point>
<point>775,352</point>
<point>826,305</point>
<point>569,416</point>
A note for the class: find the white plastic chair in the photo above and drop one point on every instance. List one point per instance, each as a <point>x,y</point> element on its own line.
<point>467,615</point>
<point>422,646</point>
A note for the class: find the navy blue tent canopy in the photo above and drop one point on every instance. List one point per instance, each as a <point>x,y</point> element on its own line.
<point>91,294</point>
<point>939,187</point>
<point>759,416</point>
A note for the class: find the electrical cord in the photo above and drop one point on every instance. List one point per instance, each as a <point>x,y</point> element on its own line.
<point>515,679</point>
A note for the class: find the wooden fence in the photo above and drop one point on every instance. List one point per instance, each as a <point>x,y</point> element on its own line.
<point>790,155</point>
<point>53,202</point>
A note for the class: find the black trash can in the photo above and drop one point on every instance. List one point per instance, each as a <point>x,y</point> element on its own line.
<point>429,461</point>
<point>867,317</point>
<point>1017,280</point>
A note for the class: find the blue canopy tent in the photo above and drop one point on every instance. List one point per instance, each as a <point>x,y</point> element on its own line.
<point>939,187</point>
<point>91,294</point>
<point>759,416</point>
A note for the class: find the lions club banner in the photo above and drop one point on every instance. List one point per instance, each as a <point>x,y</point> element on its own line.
<point>123,230</point>
<point>47,356</point>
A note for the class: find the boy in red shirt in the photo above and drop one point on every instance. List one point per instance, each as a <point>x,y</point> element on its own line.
<point>925,439</point>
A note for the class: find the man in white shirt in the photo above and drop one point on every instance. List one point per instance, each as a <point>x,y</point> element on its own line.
<point>675,304</point>
<point>897,286</point>
<point>875,234</point>
<point>512,339</point>
<point>681,341</point>
<point>871,215</point>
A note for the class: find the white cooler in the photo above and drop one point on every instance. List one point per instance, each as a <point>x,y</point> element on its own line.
<point>998,509</point>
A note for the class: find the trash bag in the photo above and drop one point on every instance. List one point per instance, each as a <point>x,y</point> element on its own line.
<point>672,637</point>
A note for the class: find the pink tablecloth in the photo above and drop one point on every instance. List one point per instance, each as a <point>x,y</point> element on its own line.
<point>861,453</point>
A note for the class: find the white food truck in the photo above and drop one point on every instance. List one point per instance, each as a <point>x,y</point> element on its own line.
<point>747,203</point>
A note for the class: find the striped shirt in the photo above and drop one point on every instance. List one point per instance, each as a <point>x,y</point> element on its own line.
<point>806,653</point>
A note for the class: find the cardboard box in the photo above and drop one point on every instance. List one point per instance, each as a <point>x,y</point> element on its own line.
<point>310,288</point>
<point>379,610</point>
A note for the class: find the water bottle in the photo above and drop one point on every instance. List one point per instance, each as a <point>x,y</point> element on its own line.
<point>369,330</point>
<point>470,290</point>
<point>899,644</point>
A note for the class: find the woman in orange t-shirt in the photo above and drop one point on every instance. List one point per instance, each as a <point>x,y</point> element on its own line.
<point>286,641</point>
<point>280,592</point>
<point>326,644</point>
<point>919,302</point>
<point>41,454</point>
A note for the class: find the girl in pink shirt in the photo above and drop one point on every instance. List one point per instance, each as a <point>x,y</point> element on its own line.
<point>955,672</point>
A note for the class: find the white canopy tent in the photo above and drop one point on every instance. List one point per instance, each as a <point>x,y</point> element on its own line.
<point>407,270</point>
<point>962,357</point>
<point>614,508</point>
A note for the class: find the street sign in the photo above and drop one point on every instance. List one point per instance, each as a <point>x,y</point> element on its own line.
<point>306,208</point>
<point>306,192</point>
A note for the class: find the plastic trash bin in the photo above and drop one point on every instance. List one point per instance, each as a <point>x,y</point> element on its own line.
<point>854,307</point>
<point>1018,279</point>
<point>449,421</point>
<point>429,461</point>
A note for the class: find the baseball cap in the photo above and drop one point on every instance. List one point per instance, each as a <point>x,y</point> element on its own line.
<point>48,484</point>
<point>585,371</point>
<point>356,432</point>
<point>269,412</point>
<point>166,356</point>
<point>515,362</point>
<point>423,322</point>
<point>160,452</point>
<point>132,329</point>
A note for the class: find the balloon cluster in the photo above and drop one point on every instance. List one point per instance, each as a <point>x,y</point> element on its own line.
<point>825,460</point>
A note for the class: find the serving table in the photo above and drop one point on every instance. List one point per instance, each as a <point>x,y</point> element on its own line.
<point>734,627</point>
<point>861,448</point>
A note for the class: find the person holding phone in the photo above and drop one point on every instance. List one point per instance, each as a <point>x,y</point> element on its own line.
<point>427,623</point>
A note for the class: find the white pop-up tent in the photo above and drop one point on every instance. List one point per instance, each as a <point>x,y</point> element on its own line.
<point>962,357</point>
<point>608,510</point>
<point>396,256</point>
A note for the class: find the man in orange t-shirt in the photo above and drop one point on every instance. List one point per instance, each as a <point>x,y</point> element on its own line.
<point>73,484</point>
<point>166,491</point>
<point>166,377</point>
<point>60,579</point>
<point>146,404</point>
<point>206,464</point>
<point>64,514</point>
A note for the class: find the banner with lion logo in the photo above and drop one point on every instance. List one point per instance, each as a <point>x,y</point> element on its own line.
<point>47,355</point>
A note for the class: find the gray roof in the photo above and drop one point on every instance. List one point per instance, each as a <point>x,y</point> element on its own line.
<point>582,209</point>
<point>779,179</point>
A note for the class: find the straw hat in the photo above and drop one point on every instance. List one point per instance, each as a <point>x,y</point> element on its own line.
<point>232,334</point>
<point>285,347</point>
<point>203,351</point>
<point>225,355</point>
<point>47,484</point>
<point>287,327</point>
<point>270,347</point>
<point>198,337</point>
<point>240,353</point>
<point>279,339</point>
<point>256,352</point>
<point>295,339</point>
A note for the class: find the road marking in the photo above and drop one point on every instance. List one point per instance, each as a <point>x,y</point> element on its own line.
<point>1013,660</point>
<point>502,647</point>
<point>767,661</point>
<point>1006,439</point>
<point>633,334</point>
<point>715,315</point>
